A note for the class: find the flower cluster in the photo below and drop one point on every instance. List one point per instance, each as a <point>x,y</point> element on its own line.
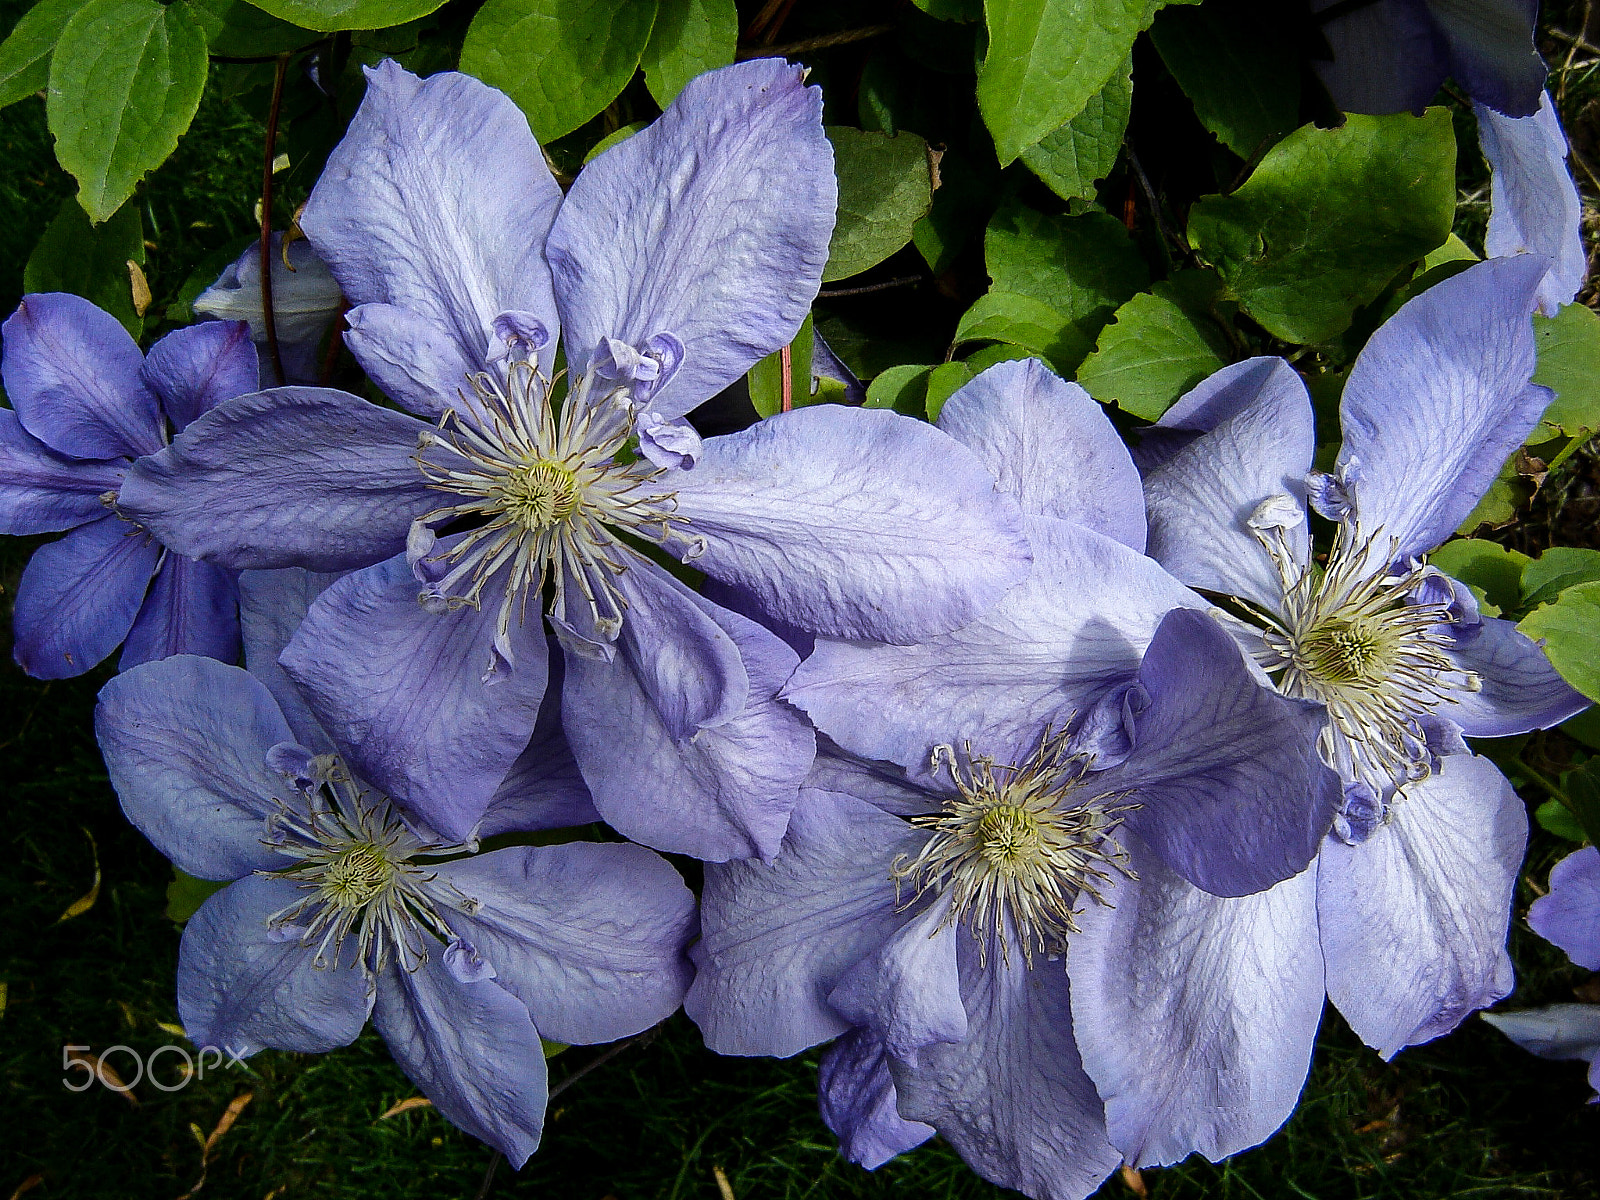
<point>1056,784</point>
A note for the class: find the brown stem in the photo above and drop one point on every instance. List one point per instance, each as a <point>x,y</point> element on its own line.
<point>844,37</point>
<point>335,339</point>
<point>786,387</point>
<point>869,288</point>
<point>268,316</point>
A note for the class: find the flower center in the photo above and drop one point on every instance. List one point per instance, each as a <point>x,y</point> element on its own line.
<point>1343,652</point>
<point>1017,847</point>
<point>540,495</point>
<point>357,876</point>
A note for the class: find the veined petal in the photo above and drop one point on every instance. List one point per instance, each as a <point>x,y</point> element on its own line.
<point>243,987</point>
<point>192,608</point>
<point>1521,690</point>
<point>711,225</point>
<point>415,360</point>
<point>1414,918</point>
<point>196,368</point>
<point>1196,1014</point>
<point>1386,58</point>
<point>1073,629</point>
<point>544,788</point>
<point>271,606</point>
<point>185,742</point>
<point>1569,915</point>
<point>438,200</point>
<point>1438,399</point>
<point>72,373</point>
<point>45,492</point>
<point>907,991</point>
<point>78,597</point>
<point>589,936</point>
<point>1533,203</point>
<point>856,1094</point>
<point>775,937</point>
<point>1050,446</point>
<point>471,1048</point>
<point>293,477</point>
<point>403,692</point>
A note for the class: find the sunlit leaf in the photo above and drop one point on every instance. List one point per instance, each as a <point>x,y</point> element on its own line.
<point>1570,629</point>
<point>690,37</point>
<point>884,190</point>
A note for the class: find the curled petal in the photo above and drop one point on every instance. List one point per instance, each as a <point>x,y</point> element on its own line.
<point>1569,915</point>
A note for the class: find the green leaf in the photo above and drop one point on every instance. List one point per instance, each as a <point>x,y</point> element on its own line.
<point>1570,628</point>
<point>1491,570</point>
<point>1582,786</point>
<point>1511,489</point>
<point>241,30</point>
<point>1085,267</point>
<point>1557,818</point>
<point>1074,157</point>
<point>1328,217</point>
<point>562,61</point>
<point>884,190</point>
<point>903,388</point>
<point>943,382</point>
<point>25,54</point>
<point>690,37</point>
<point>766,377</point>
<point>1046,59</point>
<point>125,81</point>
<point>1585,727</point>
<point>327,16</point>
<point>90,261</point>
<point>615,137</point>
<point>1159,346</point>
<point>1237,62</point>
<point>1557,569</point>
<point>185,894</point>
<point>1019,320</point>
<point>952,10</point>
<point>1569,363</point>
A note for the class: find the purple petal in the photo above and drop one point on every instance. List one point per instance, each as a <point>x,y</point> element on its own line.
<point>1196,1014</point>
<point>908,991</point>
<point>775,937</point>
<point>882,784</point>
<point>242,987</point>
<point>78,597</point>
<point>590,937</point>
<point>403,692</point>
<point>293,477</point>
<point>857,523</point>
<point>472,1050</point>
<point>1386,58</point>
<point>1521,690</point>
<point>856,1094</point>
<point>1557,1031</point>
<point>438,200</point>
<point>196,368</point>
<point>1230,789</point>
<point>1569,916</point>
<point>711,225</point>
<point>414,359</point>
<point>1050,446</point>
<point>192,608</point>
<point>1255,441</point>
<point>271,606</point>
<point>1074,628</point>
<point>1492,52</point>
<point>544,788</point>
<point>72,373</point>
<point>721,792</point>
<point>45,492</point>
<point>1013,1098</point>
<point>1438,399</point>
<point>1533,204</point>
<point>185,742</point>
<point>1414,918</point>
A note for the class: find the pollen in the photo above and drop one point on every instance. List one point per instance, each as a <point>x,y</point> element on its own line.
<point>540,495</point>
<point>356,876</point>
<point>1348,652</point>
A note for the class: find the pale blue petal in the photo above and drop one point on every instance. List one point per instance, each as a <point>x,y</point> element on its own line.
<point>1569,914</point>
<point>856,1094</point>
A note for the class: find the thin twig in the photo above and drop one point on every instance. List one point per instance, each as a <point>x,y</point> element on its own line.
<point>867,289</point>
<point>601,1059</point>
<point>487,1185</point>
<point>268,316</point>
<point>842,38</point>
<point>786,378</point>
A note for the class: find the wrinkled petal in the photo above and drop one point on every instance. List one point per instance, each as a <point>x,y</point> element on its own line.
<point>1437,401</point>
<point>1196,1014</point>
<point>78,597</point>
<point>438,200</point>
<point>1231,792</point>
<point>907,992</point>
<point>242,987</point>
<point>472,1050</point>
<point>1050,446</point>
<point>192,608</point>
<point>403,692</point>
<point>1556,1031</point>
<point>589,937</point>
<point>415,360</point>
<point>1533,203</point>
<point>544,788</point>
<point>712,225</point>
<point>725,790</point>
<point>293,477</point>
<point>1013,1098</point>
<point>1255,441</point>
<point>1414,918</point>
<point>775,937</point>
<point>856,1094</point>
<point>878,783</point>
<point>72,373</point>
<point>45,492</point>
<point>1074,628</point>
<point>1521,690</point>
<point>185,742</point>
<point>196,368</point>
<point>857,523</point>
<point>1569,916</point>
<point>271,606</point>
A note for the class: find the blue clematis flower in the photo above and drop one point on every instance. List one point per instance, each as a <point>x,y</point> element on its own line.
<point>338,908</point>
<point>1414,887</point>
<point>678,259</point>
<point>305,303</point>
<point>1568,916</point>
<point>87,405</point>
<point>1109,779</point>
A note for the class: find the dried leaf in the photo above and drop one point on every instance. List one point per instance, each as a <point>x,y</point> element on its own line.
<point>229,1115</point>
<point>406,1105</point>
<point>169,1027</point>
<point>140,286</point>
<point>724,1188</point>
<point>27,1185</point>
<point>85,902</point>
<point>104,1072</point>
<point>1134,1181</point>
